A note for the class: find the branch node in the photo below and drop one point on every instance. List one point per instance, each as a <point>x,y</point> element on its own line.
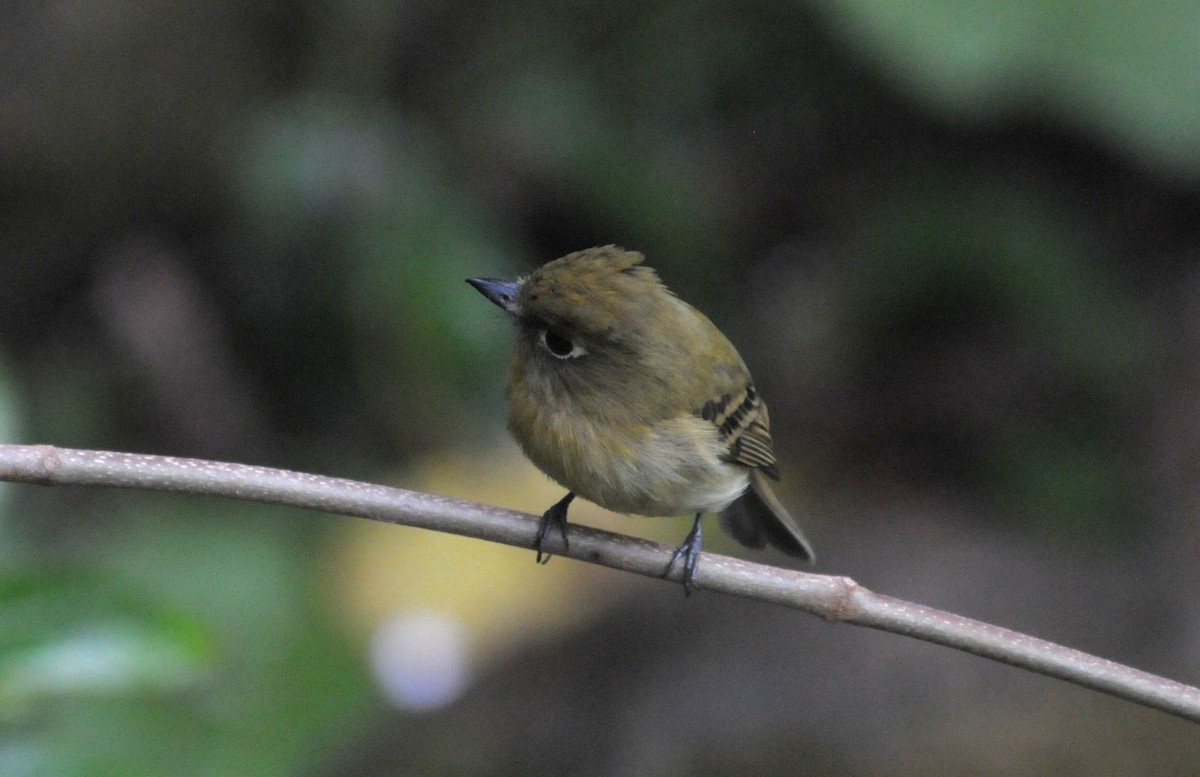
<point>845,603</point>
<point>49,458</point>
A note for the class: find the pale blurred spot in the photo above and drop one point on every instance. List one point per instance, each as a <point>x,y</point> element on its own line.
<point>421,660</point>
<point>175,346</point>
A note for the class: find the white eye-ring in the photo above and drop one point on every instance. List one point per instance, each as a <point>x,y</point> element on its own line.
<point>560,347</point>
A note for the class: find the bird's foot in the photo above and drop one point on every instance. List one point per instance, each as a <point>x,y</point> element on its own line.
<point>555,516</point>
<point>689,551</point>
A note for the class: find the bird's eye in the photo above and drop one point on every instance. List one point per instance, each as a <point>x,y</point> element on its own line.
<point>559,346</point>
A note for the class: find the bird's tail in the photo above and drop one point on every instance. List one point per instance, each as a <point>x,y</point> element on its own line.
<point>756,518</point>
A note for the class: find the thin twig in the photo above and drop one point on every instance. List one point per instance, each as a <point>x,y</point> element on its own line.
<point>833,598</point>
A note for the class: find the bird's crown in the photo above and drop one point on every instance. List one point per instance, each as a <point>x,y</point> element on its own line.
<point>597,291</point>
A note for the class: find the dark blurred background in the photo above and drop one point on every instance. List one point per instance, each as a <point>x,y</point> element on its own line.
<point>958,245</point>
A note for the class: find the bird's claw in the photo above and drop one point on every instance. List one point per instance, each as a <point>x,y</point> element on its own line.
<point>555,516</point>
<point>689,551</point>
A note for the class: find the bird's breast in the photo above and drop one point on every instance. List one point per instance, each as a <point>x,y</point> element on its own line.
<point>669,466</point>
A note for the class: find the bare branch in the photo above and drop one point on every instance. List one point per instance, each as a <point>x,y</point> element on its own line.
<point>833,598</point>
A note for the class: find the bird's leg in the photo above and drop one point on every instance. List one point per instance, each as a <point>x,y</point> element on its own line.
<point>689,551</point>
<point>555,516</point>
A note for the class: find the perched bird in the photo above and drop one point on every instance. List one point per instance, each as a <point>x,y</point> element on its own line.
<point>631,398</point>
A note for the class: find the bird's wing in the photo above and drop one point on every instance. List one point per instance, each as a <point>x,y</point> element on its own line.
<point>741,419</point>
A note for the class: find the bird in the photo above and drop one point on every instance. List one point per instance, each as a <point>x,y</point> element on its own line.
<point>631,398</point>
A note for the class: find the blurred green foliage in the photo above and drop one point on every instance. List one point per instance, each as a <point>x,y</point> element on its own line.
<point>174,637</point>
<point>352,180</point>
<point>1121,73</point>
<point>950,263</point>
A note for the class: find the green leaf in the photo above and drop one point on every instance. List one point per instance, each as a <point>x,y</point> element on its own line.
<point>1125,72</point>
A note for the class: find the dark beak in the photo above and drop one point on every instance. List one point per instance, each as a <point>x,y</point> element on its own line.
<point>501,293</point>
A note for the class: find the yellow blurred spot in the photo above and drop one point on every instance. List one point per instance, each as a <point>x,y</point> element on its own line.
<point>498,592</point>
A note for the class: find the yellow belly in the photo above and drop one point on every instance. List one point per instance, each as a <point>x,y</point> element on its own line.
<point>668,468</point>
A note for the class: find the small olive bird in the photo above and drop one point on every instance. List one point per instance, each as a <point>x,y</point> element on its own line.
<point>631,398</point>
